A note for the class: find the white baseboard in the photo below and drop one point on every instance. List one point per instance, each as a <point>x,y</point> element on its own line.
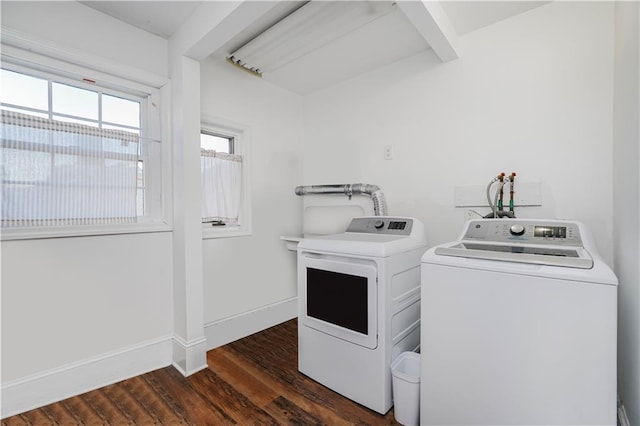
<point>73,379</point>
<point>54,385</point>
<point>229,329</point>
<point>189,357</point>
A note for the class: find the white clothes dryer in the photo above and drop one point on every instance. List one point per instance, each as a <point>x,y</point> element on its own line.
<point>518,327</point>
<point>359,305</point>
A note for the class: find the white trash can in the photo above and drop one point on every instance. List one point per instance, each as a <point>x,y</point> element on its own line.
<point>405,371</point>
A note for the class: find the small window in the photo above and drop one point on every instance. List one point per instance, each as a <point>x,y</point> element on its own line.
<point>219,143</point>
<point>224,177</point>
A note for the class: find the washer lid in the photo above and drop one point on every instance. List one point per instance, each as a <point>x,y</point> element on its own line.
<point>537,241</point>
<point>570,257</point>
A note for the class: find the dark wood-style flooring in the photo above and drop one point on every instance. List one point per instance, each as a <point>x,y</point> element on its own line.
<point>253,381</point>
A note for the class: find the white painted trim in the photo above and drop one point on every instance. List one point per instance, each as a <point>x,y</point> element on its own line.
<point>189,357</point>
<point>191,343</point>
<point>242,134</point>
<point>83,376</point>
<point>10,234</point>
<point>210,232</point>
<point>166,134</point>
<point>31,43</point>
<point>236,327</point>
<point>50,60</point>
<point>189,352</point>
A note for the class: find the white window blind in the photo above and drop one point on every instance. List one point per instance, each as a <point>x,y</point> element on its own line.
<point>221,186</point>
<point>57,173</point>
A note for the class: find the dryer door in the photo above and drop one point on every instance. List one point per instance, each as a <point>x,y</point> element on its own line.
<point>338,296</point>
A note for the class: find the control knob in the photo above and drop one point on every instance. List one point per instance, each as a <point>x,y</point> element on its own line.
<point>517,229</point>
<point>378,224</point>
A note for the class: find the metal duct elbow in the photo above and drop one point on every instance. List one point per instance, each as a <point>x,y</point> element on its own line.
<point>379,202</point>
<point>373,191</point>
<point>376,194</point>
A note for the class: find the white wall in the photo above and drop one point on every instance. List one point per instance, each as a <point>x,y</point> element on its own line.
<point>242,274</point>
<point>531,94</point>
<point>70,303</point>
<point>71,299</point>
<point>626,190</point>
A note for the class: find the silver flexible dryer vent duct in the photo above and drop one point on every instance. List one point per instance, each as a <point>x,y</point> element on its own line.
<point>349,189</point>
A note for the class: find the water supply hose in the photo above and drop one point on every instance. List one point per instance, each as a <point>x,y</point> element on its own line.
<point>501,191</point>
<point>497,200</point>
<point>495,203</point>
<point>512,177</point>
<point>494,180</point>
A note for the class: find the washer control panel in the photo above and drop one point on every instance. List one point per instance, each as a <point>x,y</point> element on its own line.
<point>524,231</point>
<point>381,225</point>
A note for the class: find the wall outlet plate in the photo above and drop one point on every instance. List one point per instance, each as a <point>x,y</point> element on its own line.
<point>387,152</point>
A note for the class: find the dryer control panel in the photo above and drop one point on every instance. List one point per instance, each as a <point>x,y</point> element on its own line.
<point>524,231</point>
<point>381,225</point>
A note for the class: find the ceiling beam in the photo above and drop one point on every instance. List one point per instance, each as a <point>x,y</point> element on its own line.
<point>213,24</point>
<point>433,24</point>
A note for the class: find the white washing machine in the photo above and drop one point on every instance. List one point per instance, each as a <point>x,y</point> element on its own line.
<point>518,327</point>
<point>359,305</point>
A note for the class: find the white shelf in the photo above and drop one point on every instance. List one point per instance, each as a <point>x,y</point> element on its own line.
<point>291,242</point>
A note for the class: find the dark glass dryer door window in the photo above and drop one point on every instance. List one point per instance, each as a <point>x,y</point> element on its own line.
<point>338,298</point>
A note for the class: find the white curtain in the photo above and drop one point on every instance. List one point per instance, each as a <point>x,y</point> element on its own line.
<point>221,186</point>
<point>56,173</point>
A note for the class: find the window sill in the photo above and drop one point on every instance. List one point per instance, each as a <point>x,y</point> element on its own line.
<point>210,232</point>
<point>81,231</point>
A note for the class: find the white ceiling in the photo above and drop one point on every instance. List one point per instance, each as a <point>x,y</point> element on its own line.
<point>384,40</point>
<point>467,16</point>
<point>162,18</point>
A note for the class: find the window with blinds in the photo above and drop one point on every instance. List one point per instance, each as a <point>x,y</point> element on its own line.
<point>59,173</point>
<point>72,153</point>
